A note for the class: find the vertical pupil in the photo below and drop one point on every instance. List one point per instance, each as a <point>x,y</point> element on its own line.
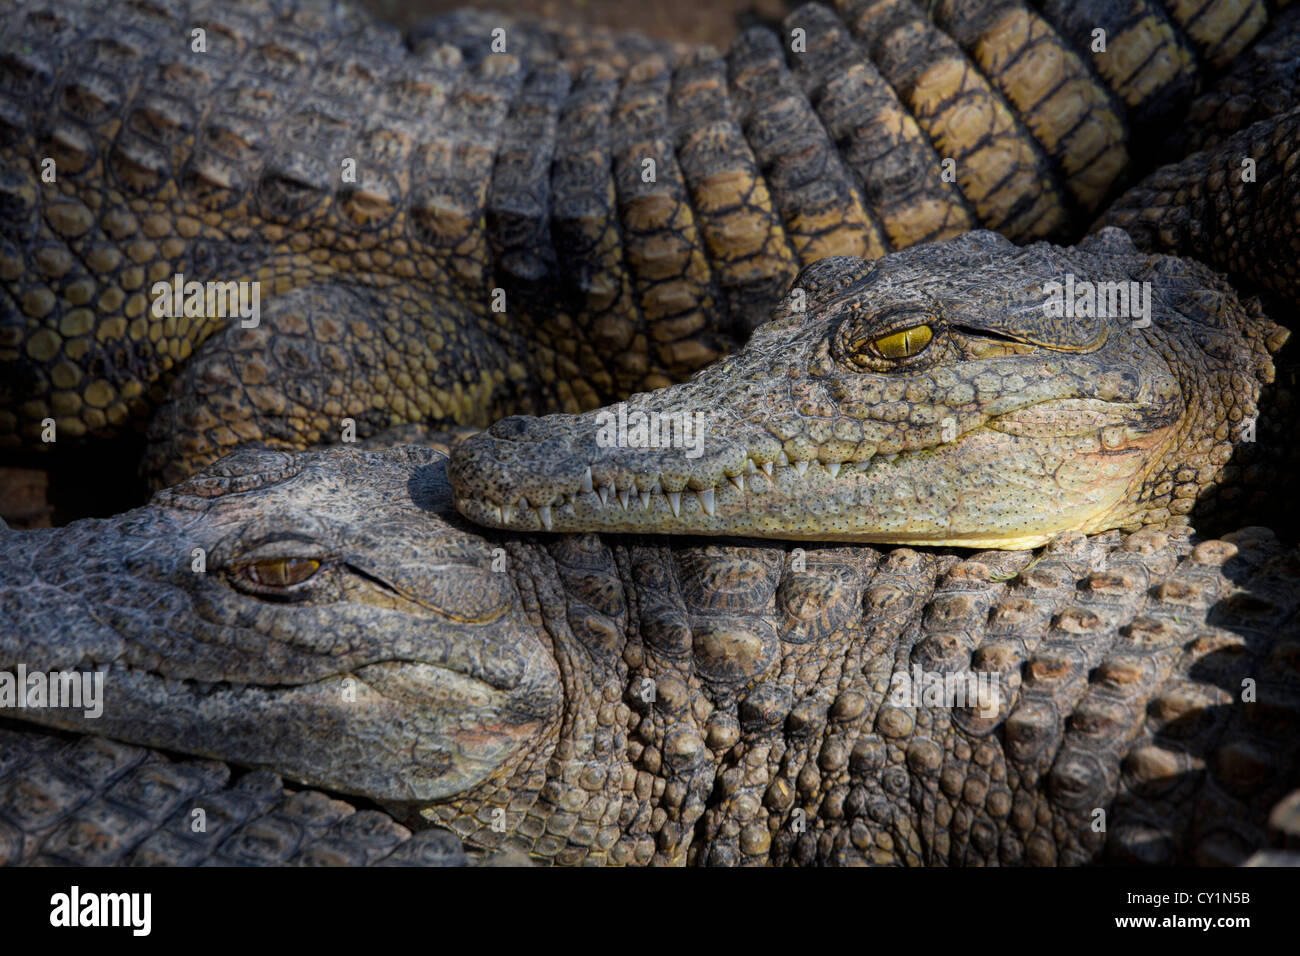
<point>283,572</point>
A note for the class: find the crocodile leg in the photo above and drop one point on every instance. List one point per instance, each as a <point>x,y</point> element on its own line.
<point>1264,82</point>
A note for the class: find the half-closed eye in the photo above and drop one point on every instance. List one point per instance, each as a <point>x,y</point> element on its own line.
<point>278,572</point>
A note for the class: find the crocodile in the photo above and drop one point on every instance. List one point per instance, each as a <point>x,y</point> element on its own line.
<point>939,396</point>
<point>446,234</point>
<point>330,617</point>
<point>679,700</point>
<point>669,700</point>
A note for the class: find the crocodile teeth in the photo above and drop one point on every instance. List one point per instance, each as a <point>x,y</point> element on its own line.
<point>739,482</point>
<point>645,500</point>
<point>706,500</point>
<point>506,512</point>
<point>801,467</point>
<point>890,457</point>
<point>784,460</point>
<point>623,497</point>
<point>604,495</point>
<point>749,465</point>
<point>767,467</point>
<point>833,469</point>
<point>544,512</point>
<point>586,481</point>
<point>675,499</point>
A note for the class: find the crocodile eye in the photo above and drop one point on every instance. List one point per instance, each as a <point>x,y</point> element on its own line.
<point>905,343</point>
<point>896,345</point>
<point>279,572</point>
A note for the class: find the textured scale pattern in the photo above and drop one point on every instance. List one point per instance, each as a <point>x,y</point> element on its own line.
<point>1176,211</point>
<point>1263,82</point>
<point>707,702</point>
<point>97,802</point>
<point>522,171</point>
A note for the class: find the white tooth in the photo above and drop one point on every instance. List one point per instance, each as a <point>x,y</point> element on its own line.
<point>784,460</point>
<point>544,512</point>
<point>675,499</point>
<point>706,500</point>
<point>749,465</point>
<point>506,512</point>
<point>498,511</point>
<point>801,467</point>
<point>739,482</point>
<point>833,469</point>
<point>890,457</point>
<point>767,467</point>
<point>604,495</point>
<point>645,500</point>
<point>622,498</point>
<point>586,480</point>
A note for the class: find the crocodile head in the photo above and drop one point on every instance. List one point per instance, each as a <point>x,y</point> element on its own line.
<point>303,612</point>
<point>961,393</point>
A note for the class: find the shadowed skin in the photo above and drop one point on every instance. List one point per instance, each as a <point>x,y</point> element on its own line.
<point>1205,208</point>
<point>74,800</point>
<point>608,699</point>
<point>926,398</point>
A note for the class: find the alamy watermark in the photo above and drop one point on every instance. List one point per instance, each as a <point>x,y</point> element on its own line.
<point>208,300</point>
<point>1098,300</point>
<point>620,428</point>
<point>76,690</point>
<point>979,690</point>
<point>77,909</point>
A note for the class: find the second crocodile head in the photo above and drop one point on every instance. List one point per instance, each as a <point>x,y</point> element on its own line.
<point>962,393</point>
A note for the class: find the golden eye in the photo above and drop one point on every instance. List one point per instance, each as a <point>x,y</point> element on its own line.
<point>280,572</point>
<point>904,343</point>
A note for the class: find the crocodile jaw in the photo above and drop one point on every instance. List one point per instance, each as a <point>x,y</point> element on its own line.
<point>1013,482</point>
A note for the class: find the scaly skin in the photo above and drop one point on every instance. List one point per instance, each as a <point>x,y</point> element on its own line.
<point>1264,82</point>
<point>1004,428</point>
<point>1203,207</point>
<point>666,700</point>
<point>522,172</point>
<point>88,801</point>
